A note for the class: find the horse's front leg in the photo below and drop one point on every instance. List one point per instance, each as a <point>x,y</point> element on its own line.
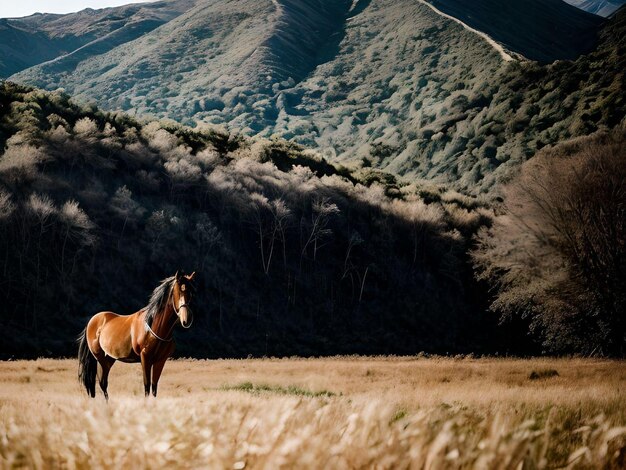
<point>146,365</point>
<point>156,374</point>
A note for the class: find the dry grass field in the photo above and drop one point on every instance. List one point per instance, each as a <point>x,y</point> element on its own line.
<point>347,412</point>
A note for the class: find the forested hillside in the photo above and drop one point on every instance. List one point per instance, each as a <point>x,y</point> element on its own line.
<point>439,90</point>
<point>294,255</point>
<point>29,41</point>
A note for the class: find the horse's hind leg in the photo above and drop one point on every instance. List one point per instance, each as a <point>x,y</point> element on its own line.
<point>106,362</point>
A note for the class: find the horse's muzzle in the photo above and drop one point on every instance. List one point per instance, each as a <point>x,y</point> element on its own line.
<point>185,315</point>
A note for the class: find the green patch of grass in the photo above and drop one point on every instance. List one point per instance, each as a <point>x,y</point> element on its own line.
<point>543,374</point>
<point>290,390</point>
<point>398,415</point>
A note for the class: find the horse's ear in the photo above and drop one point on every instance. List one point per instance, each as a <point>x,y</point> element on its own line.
<point>191,276</point>
<point>177,276</point>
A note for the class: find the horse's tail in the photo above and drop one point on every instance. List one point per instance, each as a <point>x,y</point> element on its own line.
<point>87,365</point>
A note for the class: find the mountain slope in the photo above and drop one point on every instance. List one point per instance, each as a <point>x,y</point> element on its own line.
<point>395,84</point>
<point>384,71</point>
<point>34,39</point>
<point>598,7</point>
<point>215,51</point>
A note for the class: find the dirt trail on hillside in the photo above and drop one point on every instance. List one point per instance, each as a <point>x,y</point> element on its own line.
<point>505,56</point>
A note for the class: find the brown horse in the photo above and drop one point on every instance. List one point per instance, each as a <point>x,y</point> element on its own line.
<point>144,336</point>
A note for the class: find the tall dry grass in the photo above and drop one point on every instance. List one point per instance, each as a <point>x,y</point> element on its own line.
<point>330,413</point>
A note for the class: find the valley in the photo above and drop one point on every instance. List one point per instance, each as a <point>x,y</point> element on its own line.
<point>405,221</point>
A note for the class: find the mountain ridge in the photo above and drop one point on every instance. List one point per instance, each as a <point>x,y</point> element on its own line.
<point>395,84</point>
<point>31,40</point>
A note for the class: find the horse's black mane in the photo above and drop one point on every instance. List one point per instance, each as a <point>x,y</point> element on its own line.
<point>158,299</point>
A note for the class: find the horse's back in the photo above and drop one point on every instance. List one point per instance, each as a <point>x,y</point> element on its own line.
<point>112,334</point>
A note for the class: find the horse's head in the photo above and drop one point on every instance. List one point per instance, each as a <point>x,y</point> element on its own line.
<point>182,292</point>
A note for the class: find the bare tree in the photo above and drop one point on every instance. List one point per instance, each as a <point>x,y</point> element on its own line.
<point>42,210</point>
<point>124,206</point>
<point>355,240</point>
<point>78,230</point>
<point>557,253</point>
<point>260,206</point>
<point>271,220</point>
<point>206,236</point>
<point>321,211</point>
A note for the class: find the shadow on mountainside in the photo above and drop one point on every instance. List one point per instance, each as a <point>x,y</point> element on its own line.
<point>541,30</point>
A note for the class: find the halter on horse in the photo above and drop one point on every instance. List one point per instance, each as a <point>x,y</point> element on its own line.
<point>145,336</point>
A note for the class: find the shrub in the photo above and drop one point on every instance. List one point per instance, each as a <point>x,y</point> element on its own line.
<point>86,127</point>
<point>6,205</point>
<point>19,163</point>
<point>543,374</point>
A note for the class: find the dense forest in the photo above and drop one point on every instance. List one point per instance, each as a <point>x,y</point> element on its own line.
<point>296,255</point>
